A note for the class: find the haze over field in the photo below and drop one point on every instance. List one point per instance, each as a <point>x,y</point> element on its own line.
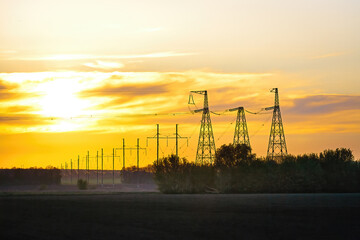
<point>78,76</point>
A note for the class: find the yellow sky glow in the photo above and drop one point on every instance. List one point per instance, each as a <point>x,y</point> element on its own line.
<point>112,70</point>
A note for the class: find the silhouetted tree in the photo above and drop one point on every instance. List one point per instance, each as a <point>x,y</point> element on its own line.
<point>31,176</point>
<point>175,175</point>
<point>231,156</point>
<point>237,170</point>
<point>340,170</point>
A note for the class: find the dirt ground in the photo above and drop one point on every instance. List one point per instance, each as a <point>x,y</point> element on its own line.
<point>116,215</point>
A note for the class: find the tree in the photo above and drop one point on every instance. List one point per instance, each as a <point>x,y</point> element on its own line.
<point>233,155</point>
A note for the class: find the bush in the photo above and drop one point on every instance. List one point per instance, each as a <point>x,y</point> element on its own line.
<point>175,175</point>
<point>82,184</point>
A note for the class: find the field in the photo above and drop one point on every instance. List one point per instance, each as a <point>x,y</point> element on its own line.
<point>96,215</point>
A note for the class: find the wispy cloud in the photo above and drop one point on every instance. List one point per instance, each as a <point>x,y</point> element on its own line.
<point>62,57</point>
<point>104,65</point>
<point>324,104</point>
<point>136,90</point>
<point>24,120</point>
<point>10,91</point>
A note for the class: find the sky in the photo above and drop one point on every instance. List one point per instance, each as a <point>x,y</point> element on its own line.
<point>78,76</point>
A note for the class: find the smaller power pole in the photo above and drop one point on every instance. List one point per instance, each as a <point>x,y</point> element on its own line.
<point>86,167</point>
<point>157,143</point>
<point>137,154</point>
<point>78,167</point>
<point>123,154</point>
<point>113,166</point>
<point>137,148</point>
<point>102,167</point>
<point>177,145</point>
<point>97,167</point>
<point>88,158</point>
<point>158,137</point>
<point>71,171</point>
<point>86,171</point>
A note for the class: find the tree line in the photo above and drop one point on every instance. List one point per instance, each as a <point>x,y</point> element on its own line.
<point>31,176</point>
<point>237,170</point>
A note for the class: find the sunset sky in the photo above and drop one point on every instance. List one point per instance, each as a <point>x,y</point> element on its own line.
<point>82,75</point>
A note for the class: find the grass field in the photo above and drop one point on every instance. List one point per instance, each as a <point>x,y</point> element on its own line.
<point>160,216</point>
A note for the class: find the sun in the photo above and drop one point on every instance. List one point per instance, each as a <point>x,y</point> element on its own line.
<point>59,99</point>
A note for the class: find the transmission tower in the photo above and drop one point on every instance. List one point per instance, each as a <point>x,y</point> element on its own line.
<point>206,145</point>
<point>277,145</point>
<point>241,135</point>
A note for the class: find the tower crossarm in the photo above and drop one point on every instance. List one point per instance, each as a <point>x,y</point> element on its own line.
<point>235,109</point>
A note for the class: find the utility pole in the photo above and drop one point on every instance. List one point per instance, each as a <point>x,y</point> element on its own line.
<point>158,137</point>
<point>102,167</point>
<point>113,166</point>
<point>78,167</point>
<point>97,167</point>
<point>157,143</point>
<point>137,148</point>
<point>206,145</point>
<point>86,171</point>
<point>123,168</point>
<point>137,153</point>
<point>86,166</point>
<point>177,145</point>
<point>277,145</point>
<point>70,171</point>
<point>88,175</point>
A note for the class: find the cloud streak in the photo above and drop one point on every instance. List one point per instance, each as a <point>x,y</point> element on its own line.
<point>65,57</point>
<point>324,104</point>
<point>10,92</point>
<point>25,120</point>
<point>104,65</point>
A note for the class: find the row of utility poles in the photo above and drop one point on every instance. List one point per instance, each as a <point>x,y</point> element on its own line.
<point>123,149</point>
<point>158,137</point>
<point>113,156</point>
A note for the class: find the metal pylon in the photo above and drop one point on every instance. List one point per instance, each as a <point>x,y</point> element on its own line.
<point>241,135</point>
<point>205,153</point>
<point>277,145</point>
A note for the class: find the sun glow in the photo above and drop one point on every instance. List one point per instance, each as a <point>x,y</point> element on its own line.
<point>59,99</point>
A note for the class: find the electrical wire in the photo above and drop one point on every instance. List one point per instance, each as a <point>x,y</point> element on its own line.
<point>262,125</point>
<point>227,128</point>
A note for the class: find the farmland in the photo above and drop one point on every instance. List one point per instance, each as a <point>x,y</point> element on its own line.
<point>96,215</point>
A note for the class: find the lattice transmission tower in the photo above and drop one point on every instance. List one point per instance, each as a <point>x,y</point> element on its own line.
<point>206,145</point>
<point>277,145</point>
<point>241,134</point>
